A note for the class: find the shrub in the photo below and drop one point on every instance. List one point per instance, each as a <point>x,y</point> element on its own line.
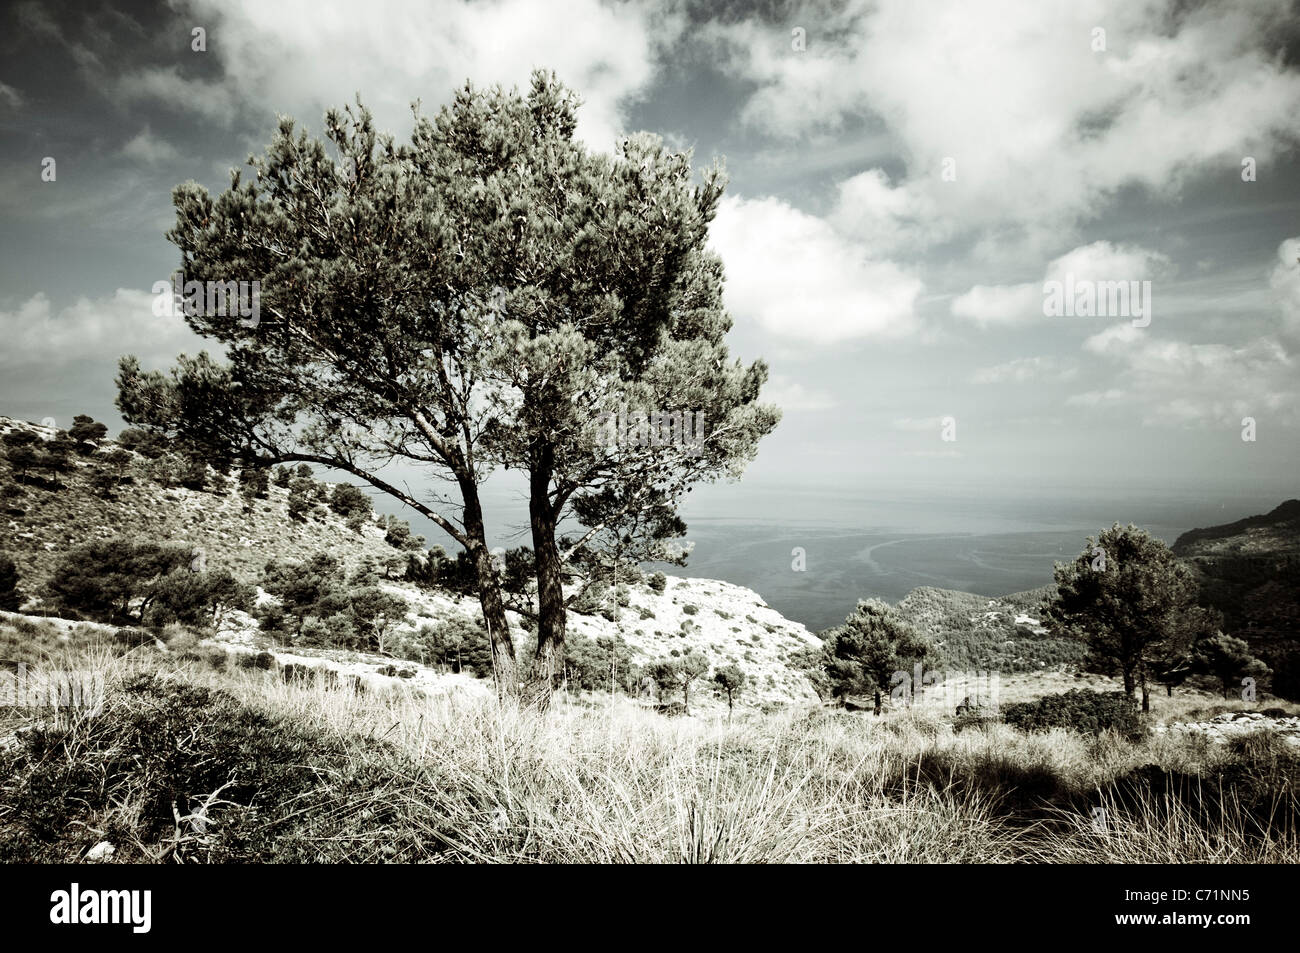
<point>144,442</point>
<point>335,631</point>
<point>690,609</point>
<point>11,598</point>
<point>658,582</point>
<point>593,665</point>
<point>264,661</point>
<point>197,598</point>
<point>349,501</point>
<point>86,433</point>
<point>973,718</point>
<point>187,774</point>
<point>1082,709</point>
<point>399,536</point>
<point>193,473</point>
<point>302,492</point>
<point>254,483</point>
<point>459,643</point>
<point>102,580</point>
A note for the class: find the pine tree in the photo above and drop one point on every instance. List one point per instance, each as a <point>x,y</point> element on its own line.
<point>490,295</point>
<point>1131,602</point>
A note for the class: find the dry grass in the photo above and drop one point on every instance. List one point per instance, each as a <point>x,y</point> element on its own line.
<point>603,780</point>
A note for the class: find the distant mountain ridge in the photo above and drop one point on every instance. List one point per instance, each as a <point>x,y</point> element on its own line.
<point>1250,571</point>
<point>1275,532</point>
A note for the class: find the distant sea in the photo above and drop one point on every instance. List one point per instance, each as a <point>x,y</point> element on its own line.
<point>858,545</point>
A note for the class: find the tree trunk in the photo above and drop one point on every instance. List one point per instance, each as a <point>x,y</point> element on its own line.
<point>551,615</point>
<point>1146,698</point>
<point>1169,690</point>
<point>877,710</point>
<point>504,669</point>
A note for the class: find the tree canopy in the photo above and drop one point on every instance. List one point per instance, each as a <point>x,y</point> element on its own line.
<point>488,296</point>
<point>1132,603</point>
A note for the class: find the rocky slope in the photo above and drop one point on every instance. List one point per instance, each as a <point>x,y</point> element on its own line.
<point>726,623</point>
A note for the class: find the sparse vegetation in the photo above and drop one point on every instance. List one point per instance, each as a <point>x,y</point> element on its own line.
<point>275,770</point>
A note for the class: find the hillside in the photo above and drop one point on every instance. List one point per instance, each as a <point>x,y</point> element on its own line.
<point>1271,534</point>
<point>1250,571</point>
<point>45,518</point>
<point>977,633</point>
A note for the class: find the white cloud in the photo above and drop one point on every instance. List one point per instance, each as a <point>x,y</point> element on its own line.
<point>1175,382</point>
<point>148,148</point>
<point>991,305</point>
<point>1045,131</point>
<point>988,305</point>
<point>1096,398</point>
<point>1024,369</point>
<point>10,96</point>
<point>91,330</point>
<point>300,57</point>
<point>799,278</point>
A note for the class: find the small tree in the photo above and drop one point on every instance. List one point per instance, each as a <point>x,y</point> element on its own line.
<point>1130,601</point>
<point>399,536</point>
<point>21,450</point>
<point>11,598</point>
<point>301,493</point>
<point>58,453</point>
<point>680,674</point>
<point>861,656</point>
<point>377,614</point>
<point>348,501</point>
<point>86,433</point>
<point>730,680</point>
<point>117,460</point>
<point>103,580</point>
<point>254,484</point>
<point>1229,660</point>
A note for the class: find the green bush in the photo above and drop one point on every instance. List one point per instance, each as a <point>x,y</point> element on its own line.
<point>658,582</point>
<point>1081,709</point>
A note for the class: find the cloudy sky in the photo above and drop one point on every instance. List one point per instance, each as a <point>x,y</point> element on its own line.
<point>905,179</point>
